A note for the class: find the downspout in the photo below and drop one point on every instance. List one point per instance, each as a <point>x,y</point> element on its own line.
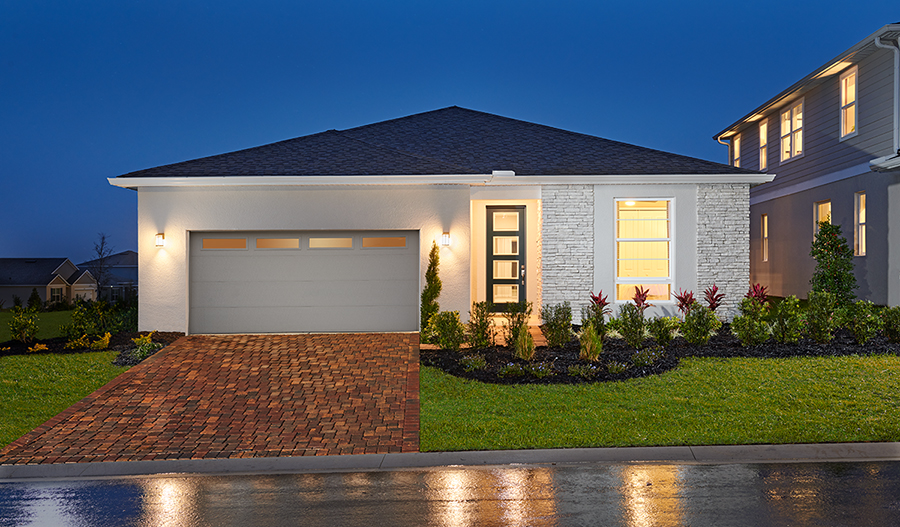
<point>719,139</point>
<point>896,50</point>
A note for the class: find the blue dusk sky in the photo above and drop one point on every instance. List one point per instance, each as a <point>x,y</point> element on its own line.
<point>95,89</point>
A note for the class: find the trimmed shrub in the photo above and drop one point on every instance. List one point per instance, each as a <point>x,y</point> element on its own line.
<point>480,332</point>
<point>834,264</point>
<point>864,321</point>
<point>557,326</point>
<point>750,326</point>
<point>23,325</point>
<point>446,330</point>
<point>787,320</point>
<point>34,301</point>
<point>590,343</point>
<point>432,289</point>
<point>890,322</point>
<point>524,345</point>
<point>700,323</point>
<point>820,318</point>
<point>517,315</point>
<point>631,322</point>
<point>662,329</point>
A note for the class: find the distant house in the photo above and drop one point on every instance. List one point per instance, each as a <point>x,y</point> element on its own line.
<point>833,138</point>
<point>54,279</point>
<point>119,274</point>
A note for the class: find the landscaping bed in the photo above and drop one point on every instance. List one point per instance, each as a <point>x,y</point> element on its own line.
<point>120,342</point>
<point>554,365</point>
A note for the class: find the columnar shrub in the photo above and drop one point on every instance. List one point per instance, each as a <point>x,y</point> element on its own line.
<point>432,289</point>
<point>820,318</point>
<point>864,321</point>
<point>834,264</point>
<point>631,325</point>
<point>596,313</point>
<point>890,320</point>
<point>23,325</point>
<point>480,332</point>
<point>557,326</point>
<point>662,329</point>
<point>750,326</point>
<point>591,344</point>
<point>34,301</point>
<point>524,348</point>
<point>446,330</point>
<point>700,323</point>
<point>517,315</point>
<point>787,320</point>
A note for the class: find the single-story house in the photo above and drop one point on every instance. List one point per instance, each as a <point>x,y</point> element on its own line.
<point>331,231</point>
<point>119,273</point>
<point>55,279</point>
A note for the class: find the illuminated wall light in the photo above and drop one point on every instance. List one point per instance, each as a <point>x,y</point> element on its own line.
<point>160,239</point>
<point>445,239</point>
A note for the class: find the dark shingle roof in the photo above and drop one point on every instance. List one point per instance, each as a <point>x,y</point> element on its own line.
<point>448,141</point>
<point>114,260</point>
<point>29,271</point>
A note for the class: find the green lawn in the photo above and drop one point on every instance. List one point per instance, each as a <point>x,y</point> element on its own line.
<point>48,324</point>
<point>34,388</point>
<point>703,401</point>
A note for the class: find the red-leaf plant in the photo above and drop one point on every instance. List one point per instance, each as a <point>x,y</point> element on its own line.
<point>601,302</point>
<point>685,300</point>
<point>640,298</point>
<point>713,297</point>
<point>758,293</point>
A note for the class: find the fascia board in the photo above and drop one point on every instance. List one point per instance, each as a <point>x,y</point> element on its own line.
<point>636,179</point>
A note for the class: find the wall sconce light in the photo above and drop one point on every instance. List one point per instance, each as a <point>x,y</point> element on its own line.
<point>160,239</point>
<point>445,239</point>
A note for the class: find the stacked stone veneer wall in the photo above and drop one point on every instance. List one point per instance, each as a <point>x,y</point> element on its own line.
<point>723,242</point>
<point>567,243</point>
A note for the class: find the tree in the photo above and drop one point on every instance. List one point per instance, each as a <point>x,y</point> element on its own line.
<point>432,289</point>
<point>834,264</point>
<point>99,267</point>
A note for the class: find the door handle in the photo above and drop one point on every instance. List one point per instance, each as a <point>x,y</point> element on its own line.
<point>523,274</point>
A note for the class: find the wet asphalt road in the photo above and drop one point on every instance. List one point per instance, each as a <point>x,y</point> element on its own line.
<point>821,494</point>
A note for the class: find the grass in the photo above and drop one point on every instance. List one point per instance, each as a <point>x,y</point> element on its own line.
<point>703,402</point>
<point>34,388</point>
<point>48,324</point>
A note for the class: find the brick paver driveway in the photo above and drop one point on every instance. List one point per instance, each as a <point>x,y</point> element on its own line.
<point>244,396</point>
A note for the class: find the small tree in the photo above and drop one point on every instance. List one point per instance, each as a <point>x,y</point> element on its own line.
<point>432,289</point>
<point>99,266</point>
<point>34,301</point>
<point>834,264</point>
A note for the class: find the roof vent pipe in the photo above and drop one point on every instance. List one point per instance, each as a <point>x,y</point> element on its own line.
<point>896,50</point>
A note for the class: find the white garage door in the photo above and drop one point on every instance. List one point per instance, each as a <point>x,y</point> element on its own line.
<point>304,281</point>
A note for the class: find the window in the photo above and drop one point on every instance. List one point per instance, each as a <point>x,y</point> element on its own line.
<point>859,233</point>
<point>764,237</point>
<point>331,243</point>
<point>396,241</point>
<point>792,132</point>
<point>736,150</point>
<point>643,248</point>
<point>763,143</point>
<point>224,243</point>
<point>278,243</point>
<point>56,294</point>
<point>848,104</point>
<point>821,212</point>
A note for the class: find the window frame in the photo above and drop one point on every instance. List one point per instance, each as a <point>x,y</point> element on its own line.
<point>850,72</point>
<point>764,143</point>
<point>736,151</point>
<point>816,217</point>
<point>764,236</point>
<point>668,280</point>
<point>860,235</point>
<point>56,294</point>
<point>792,132</point>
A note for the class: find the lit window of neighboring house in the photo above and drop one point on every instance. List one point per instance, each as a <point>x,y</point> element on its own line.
<point>56,294</point>
<point>643,248</point>
<point>764,235</point>
<point>736,150</point>
<point>848,104</point>
<point>792,131</point>
<point>763,143</point>
<point>859,233</point>
<point>821,213</point>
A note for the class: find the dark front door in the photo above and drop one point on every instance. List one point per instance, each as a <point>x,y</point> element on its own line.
<point>506,255</point>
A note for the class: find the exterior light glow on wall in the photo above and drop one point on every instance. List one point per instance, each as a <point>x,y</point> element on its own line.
<point>445,239</point>
<point>630,203</point>
<point>160,240</point>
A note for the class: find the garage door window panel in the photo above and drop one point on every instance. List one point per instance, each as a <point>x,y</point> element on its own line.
<point>278,243</point>
<point>331,243</point>
<point>225,243</point>
<point>384,242</point>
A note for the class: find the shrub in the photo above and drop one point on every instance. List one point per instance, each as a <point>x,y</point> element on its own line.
<point>864,321</point>
<point>446,330</point>
<point>820,318</point>
<point>699,324</point>
<point>539,369</point>
<point>631,321</point>
<point>585,371</point>
<point>646,357</point>
<point>93,319</point>
<point>890,322</point>
<point>590,343</point>
<point>662,329</point>
<point>473,362</point>
<point>834,264</point>
<point>640,299</point>
<point>517,315</point>
<point>34,300</point>
<point>81,343</point>
<point>614,325</point>
<point>432,289</point>
<point>524,345</point>
<point>557,326</point>
<point>101,343</point>
<point>596,313</point>
<point>480,332</point>
<point>750,326</point>
<point>685,299</point>
<point>787,320</point>
<point>37,347</point>
<point>511,370</point>
<point>616,368</point>
<point>758,293</point>
<point>143,339</point>
<point>23,325</point>
<point>713,297</point>
<point>17,301</point>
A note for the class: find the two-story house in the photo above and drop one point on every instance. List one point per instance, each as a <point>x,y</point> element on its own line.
<point>833,141</point>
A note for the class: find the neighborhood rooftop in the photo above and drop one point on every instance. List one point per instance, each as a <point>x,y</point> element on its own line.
<point>32,271</point>
<point>448,141</point>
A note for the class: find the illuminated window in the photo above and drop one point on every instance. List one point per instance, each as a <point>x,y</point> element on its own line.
<point>792,131</point>
<point>821,213</point>
<point>736,150</point>
<point>397,241</point>
<point>764,234</point>
<point>763,144</point>
<point>848,103</point>
<point>224,243</point>
<point>643,248</point>
<point>331,243</point>
<point>859,233</point>
<point>278,243</point>
<point>56,294</point>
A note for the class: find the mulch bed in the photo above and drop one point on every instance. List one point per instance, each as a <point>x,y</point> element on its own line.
<point>723,345</point>
<point>120,342</point>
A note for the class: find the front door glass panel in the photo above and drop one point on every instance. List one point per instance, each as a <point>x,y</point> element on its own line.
<point>505,255</point>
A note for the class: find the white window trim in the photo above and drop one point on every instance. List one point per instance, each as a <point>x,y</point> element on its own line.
<point>857,224</point>
<point>852,71</point>
<point>816,219</point>
<point>736,150</point>
<point>615,252</point>
<point>764,236</point>
<point>764,144</point>
<point>802,103</point>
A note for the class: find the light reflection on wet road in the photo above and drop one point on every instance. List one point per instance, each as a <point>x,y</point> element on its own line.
<point>857,494</point>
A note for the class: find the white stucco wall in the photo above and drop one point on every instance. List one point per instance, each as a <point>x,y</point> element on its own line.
<point>163,272</point>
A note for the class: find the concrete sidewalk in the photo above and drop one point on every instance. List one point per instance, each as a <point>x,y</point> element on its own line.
<point>695,455</point>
